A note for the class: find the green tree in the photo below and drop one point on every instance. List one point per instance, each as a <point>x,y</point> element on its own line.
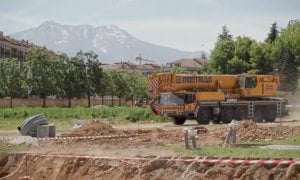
<point>94,73</point>
<point>110,84</point>
<point>178,69</point>
<point>225,34</point>
<point>137,85</point>
<point>205,69</point>
<point>273,33</point>
<point>41,78</point>
<point>237,66</point>
<point>223,52</point>
<point>203,55</point>
<point>13,79</point>
<point>121,86</point>
<point>241,61</point>
<point>261,61</point>
<point>70,73</point>
<point>286,52</point>
<point>107,86</point>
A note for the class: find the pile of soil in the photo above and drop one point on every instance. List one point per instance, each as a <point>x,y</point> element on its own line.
<point>251,131</point>
<point>40,167</point>
<point>93,128</point>
<point>98,128</point>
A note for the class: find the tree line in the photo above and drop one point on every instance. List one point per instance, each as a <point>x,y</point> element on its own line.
<point>279,54</point>
<point>44,73</point>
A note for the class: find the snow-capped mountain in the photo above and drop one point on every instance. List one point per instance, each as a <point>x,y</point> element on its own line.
<point>111,43</point>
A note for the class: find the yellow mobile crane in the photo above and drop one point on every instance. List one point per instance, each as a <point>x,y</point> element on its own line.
<point>215,97</point>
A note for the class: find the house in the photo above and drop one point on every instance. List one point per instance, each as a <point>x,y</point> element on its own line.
<point>13,48</point>
<point>191,65</point>
<point>145,69</point>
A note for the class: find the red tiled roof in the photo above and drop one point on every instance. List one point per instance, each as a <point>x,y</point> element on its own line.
<point>195,62</point>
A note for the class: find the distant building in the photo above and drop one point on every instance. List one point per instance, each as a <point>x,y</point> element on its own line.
<point>145,69</point>
<point>12,48</point>
<point>191,65</point>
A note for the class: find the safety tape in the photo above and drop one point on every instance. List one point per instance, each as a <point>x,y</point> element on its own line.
<point>71,138</point>
<point>196,160</point>
<point>87,137</point>
<point>129,161</point>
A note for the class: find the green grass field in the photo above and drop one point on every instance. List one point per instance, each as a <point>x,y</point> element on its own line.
<point>244,149</point>
<point>10,118</point>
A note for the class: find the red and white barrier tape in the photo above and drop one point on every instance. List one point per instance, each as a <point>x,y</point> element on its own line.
<point>71,138</point>
<point>197,160</point>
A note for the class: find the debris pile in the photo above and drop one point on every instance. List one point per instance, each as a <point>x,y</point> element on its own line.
<point>251,131</point>
<point>93,128</point>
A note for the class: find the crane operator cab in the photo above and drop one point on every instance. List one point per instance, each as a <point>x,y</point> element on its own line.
<point>258,85</point>
<point>177,103</point>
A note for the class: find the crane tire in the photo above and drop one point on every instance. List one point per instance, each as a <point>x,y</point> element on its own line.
<point>270,113</point>
<point>204,116</point>
<point>241,113</point>
<point>258,114</point>
<point>227,114</point>
<point>178,120</point>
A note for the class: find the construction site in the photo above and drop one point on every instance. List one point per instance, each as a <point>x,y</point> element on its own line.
<point>97,150</point>
<point>251,137</point>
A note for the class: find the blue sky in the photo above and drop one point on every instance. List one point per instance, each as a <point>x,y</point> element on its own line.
<point>182,24</point>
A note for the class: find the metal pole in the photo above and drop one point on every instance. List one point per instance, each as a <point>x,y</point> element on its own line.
<point>186,138</point>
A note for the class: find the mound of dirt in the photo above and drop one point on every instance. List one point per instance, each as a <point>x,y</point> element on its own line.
<point>251,131</point>
<point>98,128</point>
<point>93,128</point>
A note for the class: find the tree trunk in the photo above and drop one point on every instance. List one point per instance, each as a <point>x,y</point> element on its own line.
<point>102,100</point>
<point>112,100</point>
<point>69,103</point>
<point>89,100</point>
<point>44,102</point>
<point>132,101</point>
<point>120,99</point>
<point>11,102</point>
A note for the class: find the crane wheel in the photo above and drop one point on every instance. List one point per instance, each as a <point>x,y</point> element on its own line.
<point>178,120</point>
<point>270,113</point>
<point>204,116</point>
<point>258,114</point>
<point>241,113</point>
<point>227,114</point>
<point>216,121</point>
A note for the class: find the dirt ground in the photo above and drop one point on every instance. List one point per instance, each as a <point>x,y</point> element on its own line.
<point>65,158</point>
<point>49,167</point>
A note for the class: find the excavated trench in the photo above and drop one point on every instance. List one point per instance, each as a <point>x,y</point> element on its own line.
<point>35,166</point>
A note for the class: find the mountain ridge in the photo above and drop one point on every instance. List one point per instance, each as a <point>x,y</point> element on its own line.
<point>111,43</point>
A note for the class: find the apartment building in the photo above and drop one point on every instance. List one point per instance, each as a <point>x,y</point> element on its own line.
<point>13,48</point>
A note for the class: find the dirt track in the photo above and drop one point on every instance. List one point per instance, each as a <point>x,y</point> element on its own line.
<point>151,142</point>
